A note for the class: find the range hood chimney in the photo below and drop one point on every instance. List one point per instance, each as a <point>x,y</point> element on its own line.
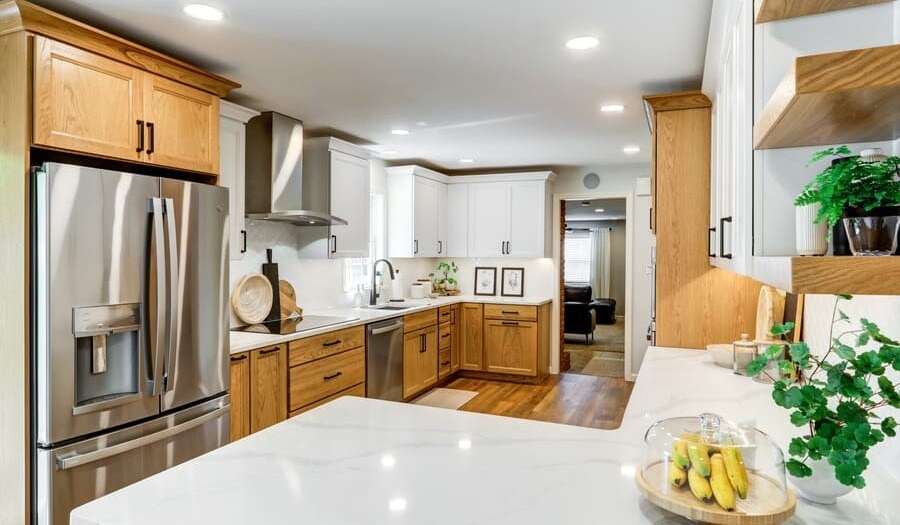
<point>276,188</point>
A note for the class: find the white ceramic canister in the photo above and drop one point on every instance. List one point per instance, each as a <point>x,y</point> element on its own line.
<point>417,291</point>
<point>811,237</point>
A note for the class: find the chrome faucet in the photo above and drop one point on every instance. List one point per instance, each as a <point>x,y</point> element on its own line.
<point>373,295</point>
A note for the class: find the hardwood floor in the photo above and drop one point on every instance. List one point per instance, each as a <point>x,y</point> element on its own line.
<point>573,399</point>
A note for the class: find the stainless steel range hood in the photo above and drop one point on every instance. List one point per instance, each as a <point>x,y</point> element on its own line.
<point>276,187</point>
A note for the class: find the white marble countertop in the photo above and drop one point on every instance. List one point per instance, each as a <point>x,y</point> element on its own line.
<point>357,461</point>
<point>243,341</point>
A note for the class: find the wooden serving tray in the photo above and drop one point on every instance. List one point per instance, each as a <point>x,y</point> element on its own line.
<point>763,505</point>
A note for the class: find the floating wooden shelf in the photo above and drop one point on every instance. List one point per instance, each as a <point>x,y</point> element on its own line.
<point>771,10</point>
<point>830,275</point>
<point>844,97</point>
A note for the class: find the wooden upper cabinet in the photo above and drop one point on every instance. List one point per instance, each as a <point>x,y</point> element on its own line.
<point>511,347</point>
<point>471,333</point>
<point>182,125</point>
<point>268,387</point>
<point>85,102</point>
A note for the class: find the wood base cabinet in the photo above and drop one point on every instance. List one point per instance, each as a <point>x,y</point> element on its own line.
<point>471,330</point>
<point>510,347</point>
<point>326,367</point>
<point>506,340</point>
<point>420,360</point>
<point>258,390</point>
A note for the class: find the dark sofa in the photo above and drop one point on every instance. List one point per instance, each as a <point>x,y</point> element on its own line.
<point>582,312</point>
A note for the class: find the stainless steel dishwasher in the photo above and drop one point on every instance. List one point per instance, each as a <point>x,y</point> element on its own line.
<point>384,359</point>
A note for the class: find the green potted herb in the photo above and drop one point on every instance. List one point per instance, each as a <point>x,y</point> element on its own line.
<point>860,194</point>
<point>839,399</point>
<point>444,280</point>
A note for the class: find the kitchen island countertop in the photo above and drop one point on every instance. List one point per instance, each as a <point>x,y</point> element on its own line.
<point>244,341</point>
<point>358,460</point>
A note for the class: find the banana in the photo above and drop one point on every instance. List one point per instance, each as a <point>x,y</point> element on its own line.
<point>699,485</point>
<point>718,481</point>
<point>680,454</point>
<point>737,473</point>
<point>699,456</point>
<point>677,476</point>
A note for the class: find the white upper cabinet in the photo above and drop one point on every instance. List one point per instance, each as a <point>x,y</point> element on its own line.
<point>347,167</point>
<point>232,148</point>
<point>488,219</point>
<point>528,219</point>
<point>457,220</point>
<point>510,219</point>
<point>416,212</point>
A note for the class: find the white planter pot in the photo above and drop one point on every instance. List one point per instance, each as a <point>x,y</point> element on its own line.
<point>822,487</point>
<point>811,237</point>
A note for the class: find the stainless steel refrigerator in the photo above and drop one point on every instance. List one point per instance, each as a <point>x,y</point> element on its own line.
<point>130,358</point>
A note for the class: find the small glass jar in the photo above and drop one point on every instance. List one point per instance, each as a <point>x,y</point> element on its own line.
<point>743,354</point>
<point>770,373</point>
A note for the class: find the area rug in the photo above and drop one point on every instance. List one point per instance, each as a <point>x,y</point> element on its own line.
<point>445,398</point>
<point>606,366</point>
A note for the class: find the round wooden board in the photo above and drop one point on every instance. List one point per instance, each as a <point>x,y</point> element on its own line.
<point>289,308</point>
<point>757,509</point>
<point>252,298</point>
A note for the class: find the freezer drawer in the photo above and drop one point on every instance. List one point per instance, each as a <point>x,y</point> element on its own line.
<point>76,474</point>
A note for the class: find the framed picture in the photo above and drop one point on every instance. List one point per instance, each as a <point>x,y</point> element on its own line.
<point>513,282</point>
<point>485,281</point>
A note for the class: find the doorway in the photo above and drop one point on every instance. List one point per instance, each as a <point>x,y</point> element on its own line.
<point>594,266</point>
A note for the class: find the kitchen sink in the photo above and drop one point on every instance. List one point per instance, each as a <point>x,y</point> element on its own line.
<point>390,307</point>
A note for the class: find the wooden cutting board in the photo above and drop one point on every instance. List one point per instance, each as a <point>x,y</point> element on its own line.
<point>289,306</point>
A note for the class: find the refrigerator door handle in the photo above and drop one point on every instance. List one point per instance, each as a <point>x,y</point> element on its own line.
<point>97,455</point>
<point>171,269</point>
<point>156,208</point>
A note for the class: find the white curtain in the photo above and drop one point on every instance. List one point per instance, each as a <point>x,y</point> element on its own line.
<point>600,263</point>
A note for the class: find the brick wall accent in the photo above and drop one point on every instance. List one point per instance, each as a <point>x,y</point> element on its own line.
<point>565,360</point>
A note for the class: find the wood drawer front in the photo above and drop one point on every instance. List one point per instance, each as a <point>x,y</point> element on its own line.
<point>444,363</point>
<point>445,314</point>
<point>324,345</point>
<point>317,380</point>
<point>419,320</point>
<point>507,311</point>
<point>358,391</point>
<point>445,333</point>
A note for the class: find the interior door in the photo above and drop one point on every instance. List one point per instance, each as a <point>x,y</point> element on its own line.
<point>92,230</point>
<point>182,125</point>
<point>85,102</point>
<point>350,201</point>
<point>527,205</point>
<point>426,199</point>
<point>196,365</point>
<point>488,219</point>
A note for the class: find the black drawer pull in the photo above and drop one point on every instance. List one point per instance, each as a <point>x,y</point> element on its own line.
<point>445,363</point>
<point>445,335</point>
<point>332,376</point>
<point>238,357</point>
<point>269,351</point>
<point>505,312</point>
<point>332,343</point>
<point>510,323</point>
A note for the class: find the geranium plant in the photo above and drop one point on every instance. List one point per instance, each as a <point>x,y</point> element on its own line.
<point>836,396</point>
<point>852,183</point>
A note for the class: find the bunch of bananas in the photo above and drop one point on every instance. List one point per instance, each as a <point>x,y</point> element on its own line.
<point>709,473</point>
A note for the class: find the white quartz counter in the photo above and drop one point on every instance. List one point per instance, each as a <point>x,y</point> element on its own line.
<point>243,341</point>
<point>356,461</point>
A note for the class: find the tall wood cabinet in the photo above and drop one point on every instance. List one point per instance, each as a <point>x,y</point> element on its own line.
<point>696,304</point>
<point>471,329</point>
<point>258,390</point>
<point>420,360</point>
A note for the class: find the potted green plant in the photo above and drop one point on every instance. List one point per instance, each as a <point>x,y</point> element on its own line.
<point>444,280</point>
<point>837,398</point>
<point>860,194</point>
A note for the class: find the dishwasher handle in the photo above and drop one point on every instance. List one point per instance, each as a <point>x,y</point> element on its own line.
<point>385,329</point>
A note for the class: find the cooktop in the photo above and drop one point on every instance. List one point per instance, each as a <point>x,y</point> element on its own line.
<point>294,324</point>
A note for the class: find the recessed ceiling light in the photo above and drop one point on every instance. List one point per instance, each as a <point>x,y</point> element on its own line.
<point>421,123</point>
<point>467,161</point>
<point>398,131</point>
<point>612,108</point>
<point>583,42</point>
<point>631,150</point>
<point>390,152</point>
<point>204,12</point>
<point>599,210</point>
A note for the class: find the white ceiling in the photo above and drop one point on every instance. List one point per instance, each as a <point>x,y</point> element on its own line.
<point>484,79</point>
<point>613,209</point>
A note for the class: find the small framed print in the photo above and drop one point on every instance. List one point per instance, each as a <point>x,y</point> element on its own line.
<point>485,281</point>
<point>512,282</point>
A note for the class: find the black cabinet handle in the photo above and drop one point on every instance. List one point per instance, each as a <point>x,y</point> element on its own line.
<point>440,246</point>
<point>332,343</point>
<point>422,345</point>
<point>329,377</point>
<point>244,237</point>
<point>507,312</point>
<point>238,357</point>
<point>445,335</point>
<point>152,130</point>
<point>140,126</point>
<point>269,351</point>
<point>722,222</point>
<point>445,363</point>
<point>333,243</point>
<point>709,251</point>
<point>510,323</point>
<point>415,247</point>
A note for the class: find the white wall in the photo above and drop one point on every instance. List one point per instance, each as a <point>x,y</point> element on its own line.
<point>613,178</point>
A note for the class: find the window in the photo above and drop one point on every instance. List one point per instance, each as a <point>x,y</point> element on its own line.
<point>578,257</point>
<point>356,271</point>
